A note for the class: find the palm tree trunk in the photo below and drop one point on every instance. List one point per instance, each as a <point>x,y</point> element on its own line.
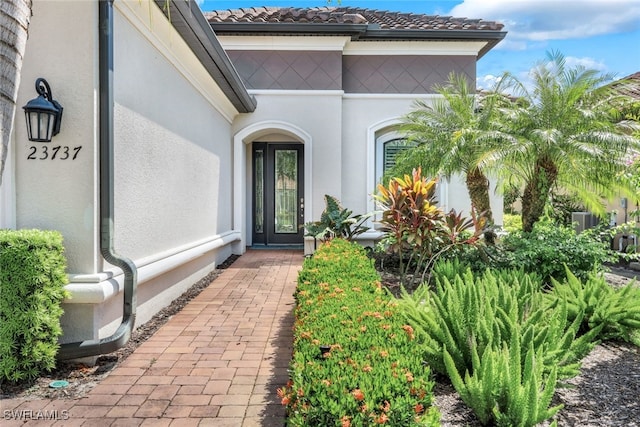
<point>478,188</point>
<point>536,193</point>
<point>14,25</point>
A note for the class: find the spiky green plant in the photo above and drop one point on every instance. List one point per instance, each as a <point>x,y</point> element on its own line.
<point>485,311</point>
<point>506,388</point>
<point>615,313</point>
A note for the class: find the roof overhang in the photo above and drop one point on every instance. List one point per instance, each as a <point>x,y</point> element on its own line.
<point>358,32</point>
<point>190,23</point>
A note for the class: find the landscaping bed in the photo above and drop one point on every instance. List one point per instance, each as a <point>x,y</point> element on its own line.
<point>605,392</point>
<point>602,392</point>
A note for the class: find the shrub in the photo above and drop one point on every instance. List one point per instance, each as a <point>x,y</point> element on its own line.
<point>629,252</point>
<point>512,223</point>
<point>615,313</point>
<point>500,343</point>
<point>336,221</point>
<point>545,250</point>
<point>549,247</point>
<point>32,279</point>
<point>418,232</point>
<point>504,388</point>
<point>354,361</point>
<point>485,310</point>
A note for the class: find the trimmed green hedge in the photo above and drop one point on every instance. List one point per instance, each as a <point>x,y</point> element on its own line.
<point>354,361</point>
<point>32,279</point>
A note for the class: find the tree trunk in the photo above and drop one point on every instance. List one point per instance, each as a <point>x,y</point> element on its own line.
<point>478,188</point>
<point>14,24</point>
<point>536,192</point>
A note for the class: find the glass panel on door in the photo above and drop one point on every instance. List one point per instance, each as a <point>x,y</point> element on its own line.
<point>258,199</point>
<point>286,191</point>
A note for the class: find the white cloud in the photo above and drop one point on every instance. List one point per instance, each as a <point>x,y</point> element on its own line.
<point>586,62</point>
<point>487,82</point>
<point>541,20</point>
<point>525,77</point>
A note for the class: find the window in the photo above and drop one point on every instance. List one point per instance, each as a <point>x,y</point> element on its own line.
<point>388,146</point>
<point>390,151</point>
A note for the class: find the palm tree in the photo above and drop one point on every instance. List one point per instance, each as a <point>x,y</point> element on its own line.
<point>565,137</point>
<point>14,24</point>
<point>454,134</point>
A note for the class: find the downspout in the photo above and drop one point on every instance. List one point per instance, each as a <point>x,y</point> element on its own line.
<point>121,336</point>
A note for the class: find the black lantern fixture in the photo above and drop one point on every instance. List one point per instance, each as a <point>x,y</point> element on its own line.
<point>43,114</point>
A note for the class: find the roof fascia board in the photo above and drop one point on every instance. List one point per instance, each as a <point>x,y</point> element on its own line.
<point>426,47</point>
<point>358,32</point>
<point>492,38</point>
<point>289,28</point>
<point>268,43</point>
<point>190,23</point>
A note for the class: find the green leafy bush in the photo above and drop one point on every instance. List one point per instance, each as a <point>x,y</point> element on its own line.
<point>511,223</point>
<point>545,251</point>
<point>354,361</point>
<point>614,312</point>
<point>549,247</point>
<point>32,279</point>
<point>629,252</point>
<point>336,221</point>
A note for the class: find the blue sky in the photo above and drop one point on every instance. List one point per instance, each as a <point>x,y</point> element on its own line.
<point>599,34</point>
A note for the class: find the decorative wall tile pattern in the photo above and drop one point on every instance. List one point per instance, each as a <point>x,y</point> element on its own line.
<point>402,74</point>
<point>312,70</point>
<point>293,70</point>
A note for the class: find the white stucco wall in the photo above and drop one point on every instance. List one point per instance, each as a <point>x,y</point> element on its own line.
<point>173,174</point>
<point>173,177</point>
<point>341,131</point>
<point>55,193</point>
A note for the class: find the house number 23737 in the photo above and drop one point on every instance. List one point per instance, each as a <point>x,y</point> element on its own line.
<point>60,152</point>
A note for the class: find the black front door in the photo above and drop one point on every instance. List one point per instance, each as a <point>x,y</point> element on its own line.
<point>278,194</point>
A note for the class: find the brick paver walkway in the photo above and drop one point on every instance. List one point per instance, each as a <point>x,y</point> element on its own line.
<point>216,363</point>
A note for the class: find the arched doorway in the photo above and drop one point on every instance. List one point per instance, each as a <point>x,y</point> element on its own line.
<point>272,169</point>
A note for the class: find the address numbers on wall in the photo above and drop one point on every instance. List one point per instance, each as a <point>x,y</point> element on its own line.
<point>57,152</point>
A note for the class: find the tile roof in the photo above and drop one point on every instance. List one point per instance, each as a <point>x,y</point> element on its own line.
<point>629,86</point>
<point>383,20</point>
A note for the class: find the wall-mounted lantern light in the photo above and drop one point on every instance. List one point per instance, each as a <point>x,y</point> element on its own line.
<point>43,114</point>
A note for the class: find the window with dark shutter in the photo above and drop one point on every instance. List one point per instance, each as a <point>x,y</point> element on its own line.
<point>391,150</point>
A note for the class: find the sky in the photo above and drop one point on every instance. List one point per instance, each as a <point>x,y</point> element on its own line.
<point>598,34</point>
